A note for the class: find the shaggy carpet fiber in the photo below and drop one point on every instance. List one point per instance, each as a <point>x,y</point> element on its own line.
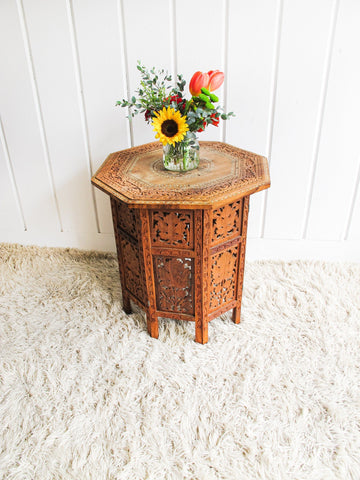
<point>85,393</point>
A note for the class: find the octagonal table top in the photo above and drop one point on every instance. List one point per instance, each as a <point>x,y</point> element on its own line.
<point>225,173</point>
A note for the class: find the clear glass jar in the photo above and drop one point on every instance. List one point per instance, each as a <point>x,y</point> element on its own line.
<point>182,156</point>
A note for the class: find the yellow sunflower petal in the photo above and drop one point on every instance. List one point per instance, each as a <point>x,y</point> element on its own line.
<point>172,132</point>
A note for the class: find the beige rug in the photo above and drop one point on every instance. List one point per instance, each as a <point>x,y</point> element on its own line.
<point>85,393</point>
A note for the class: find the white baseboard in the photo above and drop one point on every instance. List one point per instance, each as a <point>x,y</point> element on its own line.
<point>256,249</point>
<point>345,251</point>
<point>86,241</point>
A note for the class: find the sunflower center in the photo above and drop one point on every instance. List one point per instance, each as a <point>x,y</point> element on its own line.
<point>169,128</point>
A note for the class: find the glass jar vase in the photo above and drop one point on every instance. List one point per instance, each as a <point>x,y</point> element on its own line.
<point>182,156</point>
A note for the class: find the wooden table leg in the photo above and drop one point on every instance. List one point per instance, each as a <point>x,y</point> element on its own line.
<point>241,263</point>
<point>152,325</point>
<point>201,331</point>
<point>126,303</point>
<point>202,259</point>
<point>151,318</point>
<point>125,296</point>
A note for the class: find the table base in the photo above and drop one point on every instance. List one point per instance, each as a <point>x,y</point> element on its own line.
<point>184,264</point>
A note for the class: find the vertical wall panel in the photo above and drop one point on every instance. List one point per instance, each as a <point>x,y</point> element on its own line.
<point>10,215</point>
<point>148,29</point>
<point>352,231</point>
<point>54,57</point>
<point>305,36</point>
<point>252,45</point>
<point>21,125</point>
<point>338,158</point>
<point>199,49</point>
<point>100,50</point>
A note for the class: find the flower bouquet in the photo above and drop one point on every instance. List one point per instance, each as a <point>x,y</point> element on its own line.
<point>177,120</point>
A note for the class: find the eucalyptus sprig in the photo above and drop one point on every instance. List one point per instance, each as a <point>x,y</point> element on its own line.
<point>153,90</point>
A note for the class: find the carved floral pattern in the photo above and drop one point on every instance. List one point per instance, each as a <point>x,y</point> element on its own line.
<point>172,228</point>
<point>127,219</point>
<point>174,284</point>
<point>226,222</point>
<point>133,274</point>
<point>250,173</point>
<point>223,277</point>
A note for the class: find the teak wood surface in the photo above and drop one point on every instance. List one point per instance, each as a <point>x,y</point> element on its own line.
<point>181,237</point>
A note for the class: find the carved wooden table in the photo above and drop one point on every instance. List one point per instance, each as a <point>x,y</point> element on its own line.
<point>181,237</point>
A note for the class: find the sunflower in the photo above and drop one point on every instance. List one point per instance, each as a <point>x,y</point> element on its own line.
<point>170,126</point>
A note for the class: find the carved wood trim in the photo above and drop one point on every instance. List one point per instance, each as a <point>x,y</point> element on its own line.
<point>126,236</point>
<point>131,175</point>
<point>175,316</point>
<point>202,257</point>
<point>136,300</point>
<point>223,309</point>
<point>152,320</point>
<point>241,262</point>
<point>172,252</point>
<point>120,256</point>
<point>225,245</point>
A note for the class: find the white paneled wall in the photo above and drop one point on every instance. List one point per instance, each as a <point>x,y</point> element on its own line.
<point>292,78</point>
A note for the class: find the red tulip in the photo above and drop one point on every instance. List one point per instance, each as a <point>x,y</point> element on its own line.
<point>216,79</point>
<point>197,82</point>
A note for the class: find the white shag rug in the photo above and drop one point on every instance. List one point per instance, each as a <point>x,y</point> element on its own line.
<point>85,393</point>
